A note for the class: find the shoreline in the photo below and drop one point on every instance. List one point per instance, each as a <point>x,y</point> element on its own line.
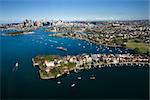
<point>22,33</point>
<point>96,40</point>
<point>80,38</point>
<point>104,66</point>
<point>48,71</point>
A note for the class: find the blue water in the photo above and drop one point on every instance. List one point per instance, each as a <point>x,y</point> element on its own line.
<point>124,82</point>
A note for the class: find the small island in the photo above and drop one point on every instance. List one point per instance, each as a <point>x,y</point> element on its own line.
<point>18,33</point>
<point>54,66</point>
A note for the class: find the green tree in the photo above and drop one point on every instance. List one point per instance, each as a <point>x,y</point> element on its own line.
<point>137,50</point>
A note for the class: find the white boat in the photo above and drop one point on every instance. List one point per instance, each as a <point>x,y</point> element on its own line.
<point>59,82</point>
<point>16,67</point>
<point>92,78</point>
<point>72,85</point>
<point>79,78</point>
<point>17,64</point>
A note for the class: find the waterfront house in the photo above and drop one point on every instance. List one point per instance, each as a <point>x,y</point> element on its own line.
<point>50,63</point>
<point>115,61</point>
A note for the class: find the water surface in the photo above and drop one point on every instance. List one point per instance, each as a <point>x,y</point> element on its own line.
<point>122,82</point>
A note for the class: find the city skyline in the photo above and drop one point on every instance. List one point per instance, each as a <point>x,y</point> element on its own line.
<point>15,10</point>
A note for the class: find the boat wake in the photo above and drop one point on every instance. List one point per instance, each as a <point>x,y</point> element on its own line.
<point>15,69</point>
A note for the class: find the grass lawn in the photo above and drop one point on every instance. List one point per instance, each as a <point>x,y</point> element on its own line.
<point>143,48</point>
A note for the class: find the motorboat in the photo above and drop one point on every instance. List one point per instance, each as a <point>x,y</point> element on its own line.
<point>58,82</point>
<point>92,78</point>
<point>72,85</point>
<point>17,64</point>
<point>79,78</point>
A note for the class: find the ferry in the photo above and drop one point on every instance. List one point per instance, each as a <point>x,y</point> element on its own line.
<point>62,48</point>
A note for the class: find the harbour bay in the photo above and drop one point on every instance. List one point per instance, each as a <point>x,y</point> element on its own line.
<point>25,82</point>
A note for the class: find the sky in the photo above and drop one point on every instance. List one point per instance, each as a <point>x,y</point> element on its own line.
<point>18,10</point>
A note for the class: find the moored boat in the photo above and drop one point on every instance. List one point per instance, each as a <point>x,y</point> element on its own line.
<point>79,78</point>
<point>58,82</point>
<point>92,78</point>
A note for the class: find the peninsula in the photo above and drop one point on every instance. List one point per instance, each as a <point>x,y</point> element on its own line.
<point>54,66</point>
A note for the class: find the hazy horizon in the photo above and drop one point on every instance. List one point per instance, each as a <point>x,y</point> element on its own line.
<point>70,10</point>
